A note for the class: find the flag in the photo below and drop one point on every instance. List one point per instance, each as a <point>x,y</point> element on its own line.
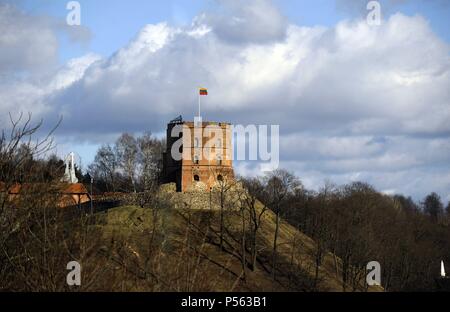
<point>203,91</point>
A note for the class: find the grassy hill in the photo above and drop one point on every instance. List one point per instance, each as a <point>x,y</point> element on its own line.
<point>170,247</point>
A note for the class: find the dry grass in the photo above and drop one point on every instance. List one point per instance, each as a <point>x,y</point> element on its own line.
<point>180,247</point>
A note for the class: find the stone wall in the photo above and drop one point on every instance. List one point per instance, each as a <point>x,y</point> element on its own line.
<point>199,198</point>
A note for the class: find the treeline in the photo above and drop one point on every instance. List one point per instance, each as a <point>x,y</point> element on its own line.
<point>359,225</point>
<point>35,238</point>
<point>131,164</point>
<point>354,221</point>
<point>22,156</point>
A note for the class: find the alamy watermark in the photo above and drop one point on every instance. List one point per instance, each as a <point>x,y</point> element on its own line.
<point>374,16</point>
<point>214,142</point>
<point>74,276</point>
<point>373,277</point>
<point>73,18</point>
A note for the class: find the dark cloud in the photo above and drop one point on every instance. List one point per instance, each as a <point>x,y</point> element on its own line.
<point>253,21</point>
<point>29,42</point>
<point>352,101</point>
<point>26,42</point>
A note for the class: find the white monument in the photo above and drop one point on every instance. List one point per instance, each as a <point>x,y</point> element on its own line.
<point>69,174</point>
<point>442,269</point>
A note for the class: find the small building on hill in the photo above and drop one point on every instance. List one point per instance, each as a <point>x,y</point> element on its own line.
<point>68,195</point>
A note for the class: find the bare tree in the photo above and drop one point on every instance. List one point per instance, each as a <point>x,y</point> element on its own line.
<point>19,147</point>
<point>19,144</point>
<point>150,159</point>
<point>37,239</point>
<point>433,206</point>
<point>126,151</point>
<point>105,165</point>
<point>224,182</point>
<point>321,231</point>
<point>243,242</point>
<point>280,184</point>
<point>254,190</point>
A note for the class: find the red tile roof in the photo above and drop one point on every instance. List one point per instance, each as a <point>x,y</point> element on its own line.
<point>70,193</point>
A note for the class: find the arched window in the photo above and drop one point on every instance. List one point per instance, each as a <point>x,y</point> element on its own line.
<point>196,142</point>
<point>219,160</point>
<point>196,159</point>
<point>219,143</point>
<point>196,177</point>
<point>219,178</point>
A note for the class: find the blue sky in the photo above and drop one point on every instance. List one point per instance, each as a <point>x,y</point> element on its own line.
<point>353,101</point>
<point>114,23</point>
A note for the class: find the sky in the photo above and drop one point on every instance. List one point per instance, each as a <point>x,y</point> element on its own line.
<point>354,102</point>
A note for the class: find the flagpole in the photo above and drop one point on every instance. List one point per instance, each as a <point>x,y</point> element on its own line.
<point>198,93</point>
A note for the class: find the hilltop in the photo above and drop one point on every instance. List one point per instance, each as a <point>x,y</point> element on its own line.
<point>171,247</point>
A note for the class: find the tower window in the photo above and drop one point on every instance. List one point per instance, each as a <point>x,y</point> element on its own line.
<point>219,143</point>
<point>196,178</point>
<point>196,159</point>
<point>219,160</point>
<point>196,142</point>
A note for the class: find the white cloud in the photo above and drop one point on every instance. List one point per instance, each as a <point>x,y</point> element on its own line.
<point>29,43</point>
<point>352,101</point>
<point>72,72</point>
<point>26,42</point>
<point>255,21</point>
<point>35,95</point>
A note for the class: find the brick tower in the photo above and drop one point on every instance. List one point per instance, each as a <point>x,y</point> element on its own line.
<point>204,156</point>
